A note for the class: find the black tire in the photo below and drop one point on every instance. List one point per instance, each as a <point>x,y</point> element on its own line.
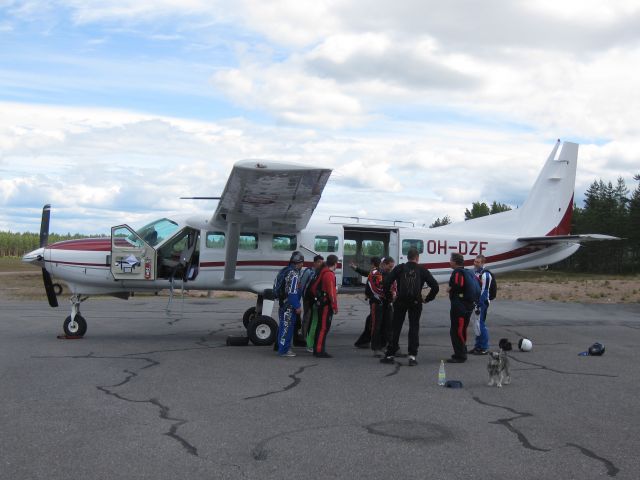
<point>262,330</point>
<point>78,329</point>
<point>236,341</point>
<point>57,289</point>
<point>248,316</point>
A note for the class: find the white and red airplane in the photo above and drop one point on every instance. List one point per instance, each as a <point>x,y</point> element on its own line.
<point>263,215</point>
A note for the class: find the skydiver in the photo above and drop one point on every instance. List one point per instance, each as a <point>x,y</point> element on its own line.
<point>291,307</point>
<point>410,278</point>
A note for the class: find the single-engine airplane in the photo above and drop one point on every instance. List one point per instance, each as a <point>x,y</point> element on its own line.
<point>263,215</point>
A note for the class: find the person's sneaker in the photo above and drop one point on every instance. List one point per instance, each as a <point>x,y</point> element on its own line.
<point>479,351</point>
<point>288,354</point>
<point>387,359</point>
<point>412,361</point>
<point>309,349</point>
<point>378,353</point>
<point>361,345</point>
<point>472,351</point>
<point>322,355</point>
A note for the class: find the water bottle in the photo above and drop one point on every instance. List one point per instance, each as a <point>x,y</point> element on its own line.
<point>442,376</point>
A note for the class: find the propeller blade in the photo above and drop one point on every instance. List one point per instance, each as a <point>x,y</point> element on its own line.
<point>48,287</point>
<point>44,225</point>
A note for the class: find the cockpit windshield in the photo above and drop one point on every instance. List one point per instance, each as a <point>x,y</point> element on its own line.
<point>158,231</point>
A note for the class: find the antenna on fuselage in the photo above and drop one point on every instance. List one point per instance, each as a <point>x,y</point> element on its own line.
<point>200,198</point>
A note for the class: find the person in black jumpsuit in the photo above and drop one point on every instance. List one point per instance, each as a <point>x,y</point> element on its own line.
<point>408,303</point>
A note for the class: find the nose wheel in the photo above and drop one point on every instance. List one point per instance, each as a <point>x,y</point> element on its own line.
<point>75,327</point>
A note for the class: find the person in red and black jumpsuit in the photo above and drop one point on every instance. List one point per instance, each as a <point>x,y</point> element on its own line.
<point>460,312</point>
<point>327,305</point>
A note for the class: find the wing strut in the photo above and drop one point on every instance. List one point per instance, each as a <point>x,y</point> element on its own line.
<point>231,253</point>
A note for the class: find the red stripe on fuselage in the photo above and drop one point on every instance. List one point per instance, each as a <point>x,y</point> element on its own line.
<point>78,264</point>
<point>258,263</point>
<point>85,244</point>
<point>518,252</point>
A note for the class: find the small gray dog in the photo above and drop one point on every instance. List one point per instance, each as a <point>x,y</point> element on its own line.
<point>498,368</point>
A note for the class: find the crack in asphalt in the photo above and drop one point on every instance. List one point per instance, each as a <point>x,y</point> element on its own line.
<point>562,372</point>
<point>507,422</point>
<point>612,470</point>
<point>295,383</point>
<point>163,409</point>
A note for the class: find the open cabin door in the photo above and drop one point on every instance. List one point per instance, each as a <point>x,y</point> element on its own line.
<point>131,257</point>
<point>362,243</point>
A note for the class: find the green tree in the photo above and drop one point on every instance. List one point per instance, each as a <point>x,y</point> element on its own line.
<point>634,226</point>
<point>497,207</point>
<point>439,222</point>
<point>606,211</point>
<point>477,210</point>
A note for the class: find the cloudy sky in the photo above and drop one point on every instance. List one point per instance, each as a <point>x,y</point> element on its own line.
<point>111,110</point>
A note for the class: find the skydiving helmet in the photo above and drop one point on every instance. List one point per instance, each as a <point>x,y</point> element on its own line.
<point>296,257</point>
<point>525,345</point>
<point>596,349</point>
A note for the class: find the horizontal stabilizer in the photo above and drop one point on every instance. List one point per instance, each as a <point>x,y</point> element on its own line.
<point>591,237</point>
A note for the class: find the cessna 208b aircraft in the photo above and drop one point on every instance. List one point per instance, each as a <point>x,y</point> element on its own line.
<point>263,215</point>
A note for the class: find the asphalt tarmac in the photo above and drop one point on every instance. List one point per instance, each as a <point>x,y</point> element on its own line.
<point>149,396</point>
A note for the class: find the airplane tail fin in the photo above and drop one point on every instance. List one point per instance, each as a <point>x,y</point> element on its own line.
<point>548,208</point>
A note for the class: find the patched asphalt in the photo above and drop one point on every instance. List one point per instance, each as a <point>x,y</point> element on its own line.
<point>147,395</point>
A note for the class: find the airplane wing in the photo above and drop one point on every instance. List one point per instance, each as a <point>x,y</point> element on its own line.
<point>592,237</point>
<point>270,196</point>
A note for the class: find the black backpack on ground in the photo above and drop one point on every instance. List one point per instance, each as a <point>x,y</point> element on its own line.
<point>410,283</point>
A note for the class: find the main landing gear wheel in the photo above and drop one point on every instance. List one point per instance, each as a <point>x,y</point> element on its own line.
<point>248,316</point>
<point>262,330</point>
<point>76,328</point>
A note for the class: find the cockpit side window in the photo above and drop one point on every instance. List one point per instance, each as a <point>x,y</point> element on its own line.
<point>158,231</point>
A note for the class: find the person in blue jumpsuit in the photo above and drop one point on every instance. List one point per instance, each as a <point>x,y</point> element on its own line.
<point>481,346</point>
<point>291,307</point>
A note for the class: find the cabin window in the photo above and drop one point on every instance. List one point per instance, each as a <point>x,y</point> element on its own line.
<point>248,241</point>
<point>215,240</point>
<point>409,243</point>
<point>326,243</point>
<point>123,237</point>
<point>285,242</point>
<point>158,231</point>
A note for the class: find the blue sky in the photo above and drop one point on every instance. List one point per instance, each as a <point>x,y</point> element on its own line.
<point>111,110</point>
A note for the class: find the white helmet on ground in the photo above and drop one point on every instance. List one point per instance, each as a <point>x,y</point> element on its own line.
<point>525,345</point>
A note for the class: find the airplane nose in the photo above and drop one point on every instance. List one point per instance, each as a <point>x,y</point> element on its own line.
<point>35,257</point>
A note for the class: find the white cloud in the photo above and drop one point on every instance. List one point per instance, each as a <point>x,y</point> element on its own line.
<point>421,107</point>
